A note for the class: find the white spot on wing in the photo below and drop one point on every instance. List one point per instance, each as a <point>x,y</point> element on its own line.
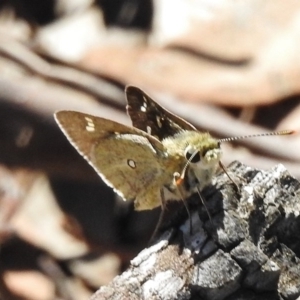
<point>149,130</point>
<point>145,102</point>
<point>90,124</point>
<point>144,106</point>
<point>131,163</point>
<point>158,121</point>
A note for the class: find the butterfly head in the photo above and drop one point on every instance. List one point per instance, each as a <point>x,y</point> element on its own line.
<point>203,152</point>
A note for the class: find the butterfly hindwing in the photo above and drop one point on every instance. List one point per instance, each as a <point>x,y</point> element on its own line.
<point>126,158</point>
<point>152,118</point>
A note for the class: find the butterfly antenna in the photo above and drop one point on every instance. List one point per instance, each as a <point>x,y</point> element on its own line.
<point>282,132</point>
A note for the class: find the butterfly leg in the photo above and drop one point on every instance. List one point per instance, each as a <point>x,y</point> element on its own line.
<point>230,178</point>
<point>204,204</point>
<point>177,179</point>
<point>161,216</point>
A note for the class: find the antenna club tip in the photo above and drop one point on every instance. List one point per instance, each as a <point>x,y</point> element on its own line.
<point>288,132</point>
<point>282,132</point>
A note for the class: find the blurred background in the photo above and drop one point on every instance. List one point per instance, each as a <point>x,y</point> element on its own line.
<point>229,67</point>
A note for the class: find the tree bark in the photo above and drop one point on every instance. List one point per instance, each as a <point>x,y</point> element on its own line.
<point>249,249</point>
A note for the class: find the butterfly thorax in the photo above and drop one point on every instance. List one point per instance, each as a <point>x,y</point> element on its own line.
<point>198,152</point>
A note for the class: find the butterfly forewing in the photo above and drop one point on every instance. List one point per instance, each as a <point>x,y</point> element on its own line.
<point>152,118</point>
<point>120,154</point>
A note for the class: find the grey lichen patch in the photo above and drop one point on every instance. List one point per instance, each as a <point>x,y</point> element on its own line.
<point>219,272</point>
<point>146,253</point>
<point>248,256</point>
<point>263,279</point>
<point>260,273</point>
<point>171,260</point>
<point>228,229</point>
<point>289,280</point>
<point>163,284</point>
<point>198,239</point>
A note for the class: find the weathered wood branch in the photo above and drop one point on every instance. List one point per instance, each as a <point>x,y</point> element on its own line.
<point>249,250</point>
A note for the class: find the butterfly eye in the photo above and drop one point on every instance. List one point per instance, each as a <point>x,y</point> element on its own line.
<point>192,155</point>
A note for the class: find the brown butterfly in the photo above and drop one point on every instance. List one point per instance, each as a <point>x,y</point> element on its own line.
<point>161,158</point>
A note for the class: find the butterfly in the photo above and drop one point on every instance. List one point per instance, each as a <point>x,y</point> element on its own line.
<point>161,158</point>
